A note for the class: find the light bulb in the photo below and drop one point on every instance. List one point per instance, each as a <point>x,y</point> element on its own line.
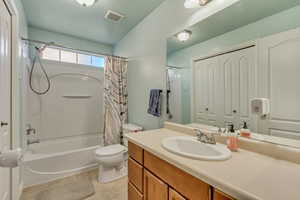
<point>86,3</point>
<point>191,3</point>
<point>184,35</point>
<point>195,3</point>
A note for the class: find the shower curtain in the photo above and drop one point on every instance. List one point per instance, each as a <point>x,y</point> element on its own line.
<point>115,99</point>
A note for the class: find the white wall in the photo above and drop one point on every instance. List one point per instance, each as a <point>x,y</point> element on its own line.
<point>145,45</point>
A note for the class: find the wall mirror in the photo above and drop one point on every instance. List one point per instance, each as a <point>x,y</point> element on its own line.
<point>217,67</point>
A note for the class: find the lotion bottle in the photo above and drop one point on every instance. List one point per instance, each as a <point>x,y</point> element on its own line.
<point>245,132</point>
<point>232,139</point>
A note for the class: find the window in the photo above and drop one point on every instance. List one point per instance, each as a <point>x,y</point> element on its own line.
<point>98,61</point>
<point>84,59</point>
<point>51,54</point>
<point>73,57</point>
<point>67,56</point>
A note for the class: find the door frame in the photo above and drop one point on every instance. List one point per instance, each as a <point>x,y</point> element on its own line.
<point>15,187</point>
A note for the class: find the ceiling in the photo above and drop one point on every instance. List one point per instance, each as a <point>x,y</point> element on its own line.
<point>68,17</point>
<point>240,14</point>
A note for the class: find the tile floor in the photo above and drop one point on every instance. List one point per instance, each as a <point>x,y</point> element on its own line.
<point>116,190</point>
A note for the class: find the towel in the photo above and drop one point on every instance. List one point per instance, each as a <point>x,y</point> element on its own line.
<point>155,103</point>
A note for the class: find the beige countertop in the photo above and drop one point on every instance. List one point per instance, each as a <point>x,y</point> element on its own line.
<point>245,176</point>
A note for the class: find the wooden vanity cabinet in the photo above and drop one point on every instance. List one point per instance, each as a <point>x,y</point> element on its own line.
<point>133,193</point>
<point>173,195</point>
<point>218,195</point>
<point>154,188</point>
<point>151,178</point>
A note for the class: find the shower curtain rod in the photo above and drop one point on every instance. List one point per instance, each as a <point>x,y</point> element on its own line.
<point>173,67</point>
<point>53,44</point>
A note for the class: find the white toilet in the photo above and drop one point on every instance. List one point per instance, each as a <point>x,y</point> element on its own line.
<point>112,159</point>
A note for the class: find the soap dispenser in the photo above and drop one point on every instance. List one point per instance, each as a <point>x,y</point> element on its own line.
<point>245,132</point>
<point>232,139</point>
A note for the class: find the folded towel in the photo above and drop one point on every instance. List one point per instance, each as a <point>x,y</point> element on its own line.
<point>155,103</point>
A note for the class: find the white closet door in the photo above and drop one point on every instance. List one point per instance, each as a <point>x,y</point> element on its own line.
<point>228,80</point>
<point>237,82</point>
<point>205,91</point>
<point>246,86</point>
<point>279,81</point>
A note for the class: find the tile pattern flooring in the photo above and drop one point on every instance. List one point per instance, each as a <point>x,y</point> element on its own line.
<point>116,190</point>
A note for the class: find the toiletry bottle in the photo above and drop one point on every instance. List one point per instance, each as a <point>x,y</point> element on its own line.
<point>245,132</point>
<point>232,139</point>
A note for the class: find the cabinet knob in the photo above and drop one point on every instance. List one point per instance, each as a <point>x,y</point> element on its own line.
<point>4,124</point>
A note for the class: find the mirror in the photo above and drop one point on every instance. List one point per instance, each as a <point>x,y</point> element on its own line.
<point>240,65</point>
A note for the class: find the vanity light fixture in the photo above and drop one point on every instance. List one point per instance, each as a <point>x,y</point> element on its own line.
<point>86,3</point>
<point>195,3</point>
<point>184,35</point>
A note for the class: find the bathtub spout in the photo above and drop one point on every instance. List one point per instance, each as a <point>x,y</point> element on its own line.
<point>32,141</point>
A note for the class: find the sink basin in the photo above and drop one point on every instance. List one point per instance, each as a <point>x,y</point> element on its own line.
<point>189,147</point>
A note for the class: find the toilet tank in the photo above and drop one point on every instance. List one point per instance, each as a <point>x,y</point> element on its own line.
<point>130,128</point>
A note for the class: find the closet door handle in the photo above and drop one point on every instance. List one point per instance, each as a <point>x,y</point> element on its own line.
<point>4,124</point>
<point>234,111</point>
<point>206,109</point>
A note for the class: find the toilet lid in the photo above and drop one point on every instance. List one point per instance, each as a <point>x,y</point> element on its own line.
<point>110,150</point>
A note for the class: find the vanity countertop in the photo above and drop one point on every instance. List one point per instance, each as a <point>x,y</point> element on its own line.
<point>245,176</point>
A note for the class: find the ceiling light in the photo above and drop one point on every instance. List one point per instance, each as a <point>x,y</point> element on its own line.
<point>184,35</point>
<point>195,3</point>
<point>86,3</point>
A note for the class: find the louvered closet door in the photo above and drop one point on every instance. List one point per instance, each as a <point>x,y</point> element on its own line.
<point>205,91</point>
<point>237,77</point>
<point>280,77</point>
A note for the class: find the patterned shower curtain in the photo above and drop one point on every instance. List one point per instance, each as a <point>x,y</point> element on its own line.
<point>115,99</point>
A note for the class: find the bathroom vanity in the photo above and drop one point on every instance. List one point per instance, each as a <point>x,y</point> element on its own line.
<point>153,178</point>
<point>157,174</point>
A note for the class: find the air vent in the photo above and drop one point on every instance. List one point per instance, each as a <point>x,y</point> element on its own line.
<point>114,16</point>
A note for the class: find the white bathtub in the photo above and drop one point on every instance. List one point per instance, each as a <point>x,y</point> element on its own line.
<point>51,160</point>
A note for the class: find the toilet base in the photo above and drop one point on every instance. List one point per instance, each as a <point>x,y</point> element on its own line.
<point>109,174</point>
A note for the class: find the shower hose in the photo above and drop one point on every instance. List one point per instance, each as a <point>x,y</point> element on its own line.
<point>35,59</point>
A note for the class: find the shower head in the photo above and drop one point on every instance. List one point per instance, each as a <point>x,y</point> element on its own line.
<point>42,48</point>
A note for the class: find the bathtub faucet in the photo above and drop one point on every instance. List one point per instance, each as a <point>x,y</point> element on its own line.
<point>30,130</point>
<point>32,141</point>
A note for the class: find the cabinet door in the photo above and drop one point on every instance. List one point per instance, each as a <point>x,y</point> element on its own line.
<point>279,81</point>
<point>218,195</point>
<point>205,91</point>
<point>133,193</point>
<point>154,188</point>
<point>135,174</point>
<point>173,195</point>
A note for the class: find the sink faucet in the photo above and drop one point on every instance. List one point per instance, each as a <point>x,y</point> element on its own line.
<point>207,138</point>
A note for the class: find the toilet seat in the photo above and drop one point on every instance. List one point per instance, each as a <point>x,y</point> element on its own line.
<point>110,150</point>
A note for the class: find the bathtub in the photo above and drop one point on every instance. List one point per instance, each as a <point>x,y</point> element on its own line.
<point>55,159</point>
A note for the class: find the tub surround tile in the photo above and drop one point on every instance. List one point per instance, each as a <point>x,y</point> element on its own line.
<point>248,175</point>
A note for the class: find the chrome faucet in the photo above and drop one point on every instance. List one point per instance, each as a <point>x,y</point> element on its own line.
<point>32,141</point>
<point>30,130</point>
<point>207,138</point>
